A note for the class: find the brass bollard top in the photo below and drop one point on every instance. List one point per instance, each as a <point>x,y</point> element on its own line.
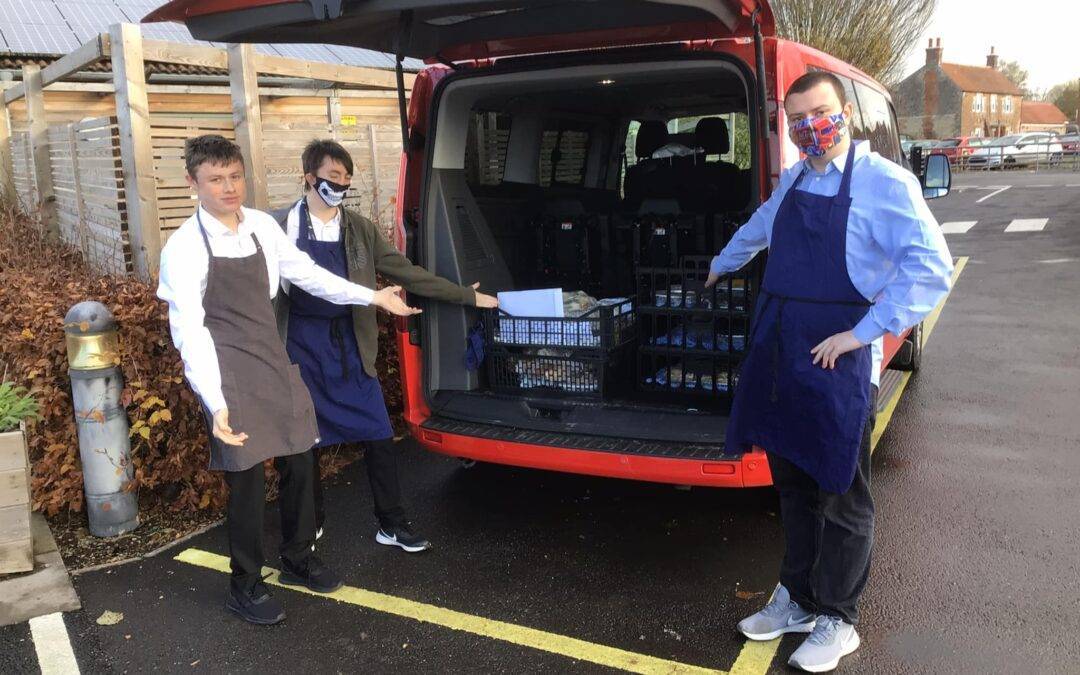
<point>92,340</point>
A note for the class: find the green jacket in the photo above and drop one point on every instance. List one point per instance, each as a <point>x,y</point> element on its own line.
<point>369,253</point>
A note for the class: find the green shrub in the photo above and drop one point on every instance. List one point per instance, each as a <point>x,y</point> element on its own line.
<point>16,406</point>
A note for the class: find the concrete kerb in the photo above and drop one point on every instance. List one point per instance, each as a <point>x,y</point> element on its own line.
<point>43,591</point>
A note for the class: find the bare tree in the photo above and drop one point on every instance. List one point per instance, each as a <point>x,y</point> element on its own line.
<point>1017,75</point>
<point>1066,96</point>
<point>873,35</point>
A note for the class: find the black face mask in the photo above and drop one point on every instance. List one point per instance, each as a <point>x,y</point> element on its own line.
<point>332,193</point>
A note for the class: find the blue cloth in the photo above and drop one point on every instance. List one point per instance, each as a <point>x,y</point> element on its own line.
<point>811,416</point>
<point>896,254</point>
<point>349,405</point>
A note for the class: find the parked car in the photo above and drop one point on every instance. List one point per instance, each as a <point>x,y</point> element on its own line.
<point>1017,150</point>
<point>924,143</point>
<point>640,387</point>
<point>959,148</point>
<point>1070,144</point>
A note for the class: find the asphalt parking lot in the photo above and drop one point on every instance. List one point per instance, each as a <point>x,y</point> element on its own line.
<point>532,572</point>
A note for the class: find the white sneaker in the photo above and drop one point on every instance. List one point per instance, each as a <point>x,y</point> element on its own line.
<point>781,615</point>
<point>832,639</point>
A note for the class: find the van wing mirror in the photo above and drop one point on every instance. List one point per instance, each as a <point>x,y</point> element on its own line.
<point>937,177</point>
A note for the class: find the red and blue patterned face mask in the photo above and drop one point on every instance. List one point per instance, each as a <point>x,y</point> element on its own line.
<point>816,135</point>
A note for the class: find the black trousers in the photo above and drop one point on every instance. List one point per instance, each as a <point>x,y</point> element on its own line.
<point>381,459</point>
<point>828,536</point>
<point>244,519</point>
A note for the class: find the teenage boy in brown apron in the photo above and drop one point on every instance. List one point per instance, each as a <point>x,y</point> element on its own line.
<point>219,273</point>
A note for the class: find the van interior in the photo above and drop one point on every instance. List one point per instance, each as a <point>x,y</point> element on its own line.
<point>617,183</point>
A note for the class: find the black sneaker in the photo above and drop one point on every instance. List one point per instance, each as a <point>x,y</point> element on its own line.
<point>255,605</point>
<point>402,536</point>
<point>313,574</point>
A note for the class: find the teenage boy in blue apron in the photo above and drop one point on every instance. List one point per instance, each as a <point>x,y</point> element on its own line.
<point>219,273</point>
<point>336,346</point>
<point>853,252</point>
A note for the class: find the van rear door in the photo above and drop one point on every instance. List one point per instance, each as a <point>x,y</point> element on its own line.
<point>452,30</point>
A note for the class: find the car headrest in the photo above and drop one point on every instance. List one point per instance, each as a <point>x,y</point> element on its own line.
<point>711,135</point>
<point>650,136</point>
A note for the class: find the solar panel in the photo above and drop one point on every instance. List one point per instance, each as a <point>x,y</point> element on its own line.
<point>59,26</point>
<point>19,12</point>
<point>361,57</point>
<point>35,39</point>
<point>77,12</point>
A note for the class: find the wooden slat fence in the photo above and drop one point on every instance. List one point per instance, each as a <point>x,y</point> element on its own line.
<point>89,186</point>
<point>22,165</point>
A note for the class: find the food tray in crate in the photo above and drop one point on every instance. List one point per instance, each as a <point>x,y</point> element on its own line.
<point>548,369</point>
<point>606,326</point>
<point>706,378</point>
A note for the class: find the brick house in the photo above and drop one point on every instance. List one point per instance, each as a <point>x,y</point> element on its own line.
<point>1042,116</point>
<point>942,100</point>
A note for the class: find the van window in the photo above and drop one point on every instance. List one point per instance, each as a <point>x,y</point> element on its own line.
<point>485,147</point>
<point>564,151</point>
<point>738,124</point>
<point>879,126</point>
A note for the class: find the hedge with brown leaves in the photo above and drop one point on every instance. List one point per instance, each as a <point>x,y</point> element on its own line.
<point>39,282</point>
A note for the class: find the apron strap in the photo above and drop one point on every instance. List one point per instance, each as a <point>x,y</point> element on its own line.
<point>845,183</point>
<point>202,231</point>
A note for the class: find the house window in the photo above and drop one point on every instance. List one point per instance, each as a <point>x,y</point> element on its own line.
<point>977,103</point>
<point>977,132</point>
<point>993,102</point>
<point>1006,104</point>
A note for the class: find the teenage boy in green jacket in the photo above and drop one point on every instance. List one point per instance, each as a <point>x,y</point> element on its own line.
<point>336,346</point>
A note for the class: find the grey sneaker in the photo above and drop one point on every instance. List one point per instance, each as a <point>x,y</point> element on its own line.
<point>832,639</point>
<point>781,615</point>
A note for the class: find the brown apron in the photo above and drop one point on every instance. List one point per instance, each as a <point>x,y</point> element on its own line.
<point>265,396</point>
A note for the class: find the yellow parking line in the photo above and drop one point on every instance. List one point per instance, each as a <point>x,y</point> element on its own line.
<point>497,630</point>
<point>885,416</point>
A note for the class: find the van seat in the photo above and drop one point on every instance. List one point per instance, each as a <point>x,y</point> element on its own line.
<point>717,185</point>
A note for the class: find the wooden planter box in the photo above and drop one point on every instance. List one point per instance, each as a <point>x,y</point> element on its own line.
<point>16,544</point>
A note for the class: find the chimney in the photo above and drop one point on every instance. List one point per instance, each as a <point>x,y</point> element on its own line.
<point>992,59</point>
<point>933,52</point>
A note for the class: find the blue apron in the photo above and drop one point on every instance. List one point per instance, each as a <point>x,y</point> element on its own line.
<point>806,414</point>
<point>348,402</point>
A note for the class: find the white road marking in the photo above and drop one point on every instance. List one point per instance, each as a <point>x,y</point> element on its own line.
<point>998,191</point>
<point>53,647</point>
<point>957,226</point>
<point>1053,261</point>
<point>1041,185</point>
<point>1027,225</point>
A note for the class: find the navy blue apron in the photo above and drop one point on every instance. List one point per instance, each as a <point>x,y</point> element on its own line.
<point>806,414</point>
<point>349,403</point>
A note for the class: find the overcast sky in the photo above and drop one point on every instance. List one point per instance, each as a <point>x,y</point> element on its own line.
<point>1043,35</point>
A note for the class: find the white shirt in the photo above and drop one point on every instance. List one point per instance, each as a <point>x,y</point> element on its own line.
<point>324,231</point>
<point>182,283</point>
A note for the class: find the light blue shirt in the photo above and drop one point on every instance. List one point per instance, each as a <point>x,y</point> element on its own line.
<point>896,253</point>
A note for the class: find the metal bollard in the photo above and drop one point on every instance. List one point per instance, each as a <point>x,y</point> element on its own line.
<point>96,383</point>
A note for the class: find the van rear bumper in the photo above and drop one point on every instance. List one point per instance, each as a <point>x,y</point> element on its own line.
<point>594,455</point>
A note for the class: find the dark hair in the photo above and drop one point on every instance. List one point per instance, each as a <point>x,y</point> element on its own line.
<point>808,81</point>
<point>212,148</point>
<point>318,150</point>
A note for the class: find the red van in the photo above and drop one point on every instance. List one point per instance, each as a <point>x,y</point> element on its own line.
<point>608,148</point>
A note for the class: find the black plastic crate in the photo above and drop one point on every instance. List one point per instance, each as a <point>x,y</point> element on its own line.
<point>552,370</point>
<point>693,339</point>
<point>604,327</point>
